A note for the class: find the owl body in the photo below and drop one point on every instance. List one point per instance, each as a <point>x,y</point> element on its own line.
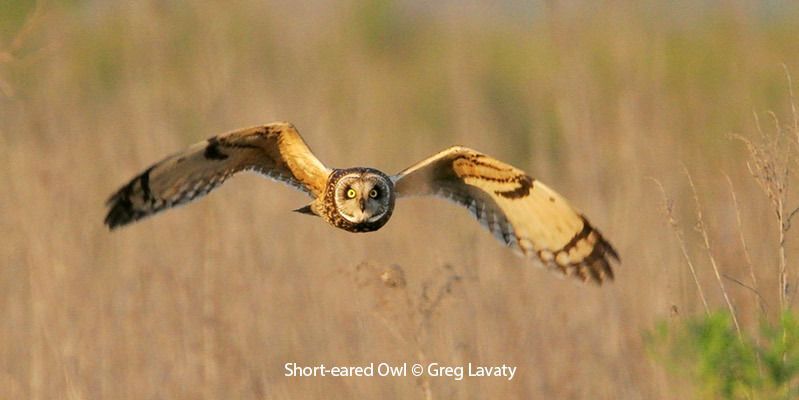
<point>355,199</point>
<point>522,213</point>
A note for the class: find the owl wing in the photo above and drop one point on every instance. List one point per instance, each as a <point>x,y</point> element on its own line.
<point>521,212</point>
<point>275,150</point>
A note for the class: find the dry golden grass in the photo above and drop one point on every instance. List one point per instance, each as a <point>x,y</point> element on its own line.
<point>211,300</point>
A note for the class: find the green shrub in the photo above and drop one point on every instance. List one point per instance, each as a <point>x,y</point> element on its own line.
<point>724,365</point>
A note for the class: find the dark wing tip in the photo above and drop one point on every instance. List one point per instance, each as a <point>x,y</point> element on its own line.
<point>599,261</point>
<point>120,211</point>
<point>121,208</point>
<point>609,250</point>
<point>596,267</point>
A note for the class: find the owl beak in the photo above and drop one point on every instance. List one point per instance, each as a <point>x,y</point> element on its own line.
<point>362,204</point>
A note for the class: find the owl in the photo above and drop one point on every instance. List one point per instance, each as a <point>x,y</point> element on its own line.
<point>521,212</point>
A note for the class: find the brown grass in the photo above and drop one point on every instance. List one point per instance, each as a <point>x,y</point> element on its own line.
<point>211,300</point>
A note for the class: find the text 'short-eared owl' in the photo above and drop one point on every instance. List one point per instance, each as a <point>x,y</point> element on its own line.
<point>521,212</point>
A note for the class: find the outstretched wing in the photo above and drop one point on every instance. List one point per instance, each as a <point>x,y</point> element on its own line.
<point>521,212</point>
<point>275,150</point>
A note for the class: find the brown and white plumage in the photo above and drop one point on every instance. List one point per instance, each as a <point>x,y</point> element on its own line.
<point>521,212</point>
<point>275,150</point>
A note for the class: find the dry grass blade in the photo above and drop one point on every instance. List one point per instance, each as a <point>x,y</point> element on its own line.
<point>794,112</point>
<point>668,208</point>
<point>769,164</point>
<point>211,300</point>
<point>761,300</point>
<point>700,220</point>
<point>406,316</point>
<point>745,248</point>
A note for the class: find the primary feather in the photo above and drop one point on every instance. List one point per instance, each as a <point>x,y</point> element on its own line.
<point>521,212</point>
<point>275,150</point>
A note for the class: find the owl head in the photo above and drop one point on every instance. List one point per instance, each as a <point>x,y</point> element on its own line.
<point>364,196</point>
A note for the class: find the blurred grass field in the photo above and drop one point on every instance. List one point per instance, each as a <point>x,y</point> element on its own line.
<point>211,300</point>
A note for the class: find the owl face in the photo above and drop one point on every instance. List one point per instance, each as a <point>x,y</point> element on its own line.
<point>363,197</point>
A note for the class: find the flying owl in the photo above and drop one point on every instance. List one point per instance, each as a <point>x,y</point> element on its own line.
<point>522,213</point>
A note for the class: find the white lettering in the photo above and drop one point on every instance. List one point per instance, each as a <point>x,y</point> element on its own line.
<point>434,369</point>
<point>385,369</point>
<point>504,371</point>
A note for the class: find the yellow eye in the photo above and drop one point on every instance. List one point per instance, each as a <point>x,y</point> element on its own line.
<point>373,193</point>
<point>351,193</point>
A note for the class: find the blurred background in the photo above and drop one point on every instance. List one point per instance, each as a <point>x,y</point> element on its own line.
<point>602,100</point>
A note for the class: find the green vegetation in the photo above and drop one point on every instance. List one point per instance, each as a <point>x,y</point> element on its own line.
<point>722,356</point>
<point>724,365</point>
<point>210,301</point>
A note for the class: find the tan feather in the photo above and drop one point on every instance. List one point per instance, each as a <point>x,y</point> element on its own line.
<point>275,150</point>
<point>520,211</point>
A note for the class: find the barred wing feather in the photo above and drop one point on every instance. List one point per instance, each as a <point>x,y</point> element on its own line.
<point>275,150</point>
<point>521,212</point>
